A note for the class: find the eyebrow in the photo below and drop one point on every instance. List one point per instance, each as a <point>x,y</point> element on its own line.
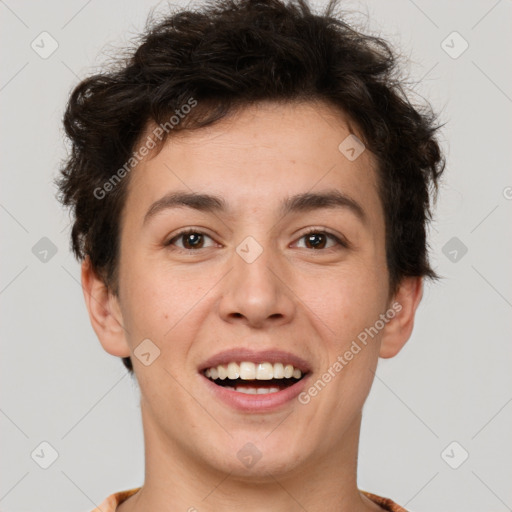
<point>299,203</point>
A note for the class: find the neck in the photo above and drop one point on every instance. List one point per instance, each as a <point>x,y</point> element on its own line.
<point>176,481</point>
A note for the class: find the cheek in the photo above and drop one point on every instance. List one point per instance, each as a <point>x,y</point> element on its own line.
<point>160,302</point>
<point>344,301</point>
<point>350,308</point>
<point>146,300</point>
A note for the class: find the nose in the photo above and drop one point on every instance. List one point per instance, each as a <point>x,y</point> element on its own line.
<point>258,293</point>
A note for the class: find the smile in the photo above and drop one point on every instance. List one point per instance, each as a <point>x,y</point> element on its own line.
<point>254,378</point>
<point>255,381</point>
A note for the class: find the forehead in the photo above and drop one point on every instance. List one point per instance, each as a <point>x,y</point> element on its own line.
<point>257,156</point>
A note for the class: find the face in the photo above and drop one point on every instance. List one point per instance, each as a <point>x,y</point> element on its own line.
<point>254,250</point>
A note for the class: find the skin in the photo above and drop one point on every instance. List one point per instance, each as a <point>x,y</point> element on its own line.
<point>310,301</point>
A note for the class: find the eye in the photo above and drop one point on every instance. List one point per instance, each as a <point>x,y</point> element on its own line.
<point>191,238</point>
<point>317,239</point>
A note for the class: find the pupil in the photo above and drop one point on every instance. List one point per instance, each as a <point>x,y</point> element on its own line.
<point>195,237</point>
<point>312,237</point>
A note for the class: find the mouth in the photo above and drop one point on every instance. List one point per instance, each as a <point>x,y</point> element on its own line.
<point>254,378</point>
<point>255,381</point>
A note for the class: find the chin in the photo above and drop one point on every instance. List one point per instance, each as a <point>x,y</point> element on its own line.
<point>258,459</point>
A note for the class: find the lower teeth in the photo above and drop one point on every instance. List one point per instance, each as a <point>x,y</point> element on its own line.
<point>253,391</point>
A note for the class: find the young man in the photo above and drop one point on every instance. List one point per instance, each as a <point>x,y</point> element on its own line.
<point>250,194</point>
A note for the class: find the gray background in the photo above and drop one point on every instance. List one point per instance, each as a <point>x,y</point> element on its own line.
<point>452,382</point>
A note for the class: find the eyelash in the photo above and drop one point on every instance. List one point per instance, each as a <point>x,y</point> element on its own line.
<point>315,231</point>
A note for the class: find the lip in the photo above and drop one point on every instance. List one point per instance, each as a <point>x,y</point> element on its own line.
<point>265,356</point>
<point>255,403</point>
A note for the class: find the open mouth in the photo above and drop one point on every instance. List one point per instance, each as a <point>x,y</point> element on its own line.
<point>254,378</point>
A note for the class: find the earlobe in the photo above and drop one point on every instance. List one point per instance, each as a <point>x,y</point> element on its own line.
<point>104,312</point>
<point>405,303</point>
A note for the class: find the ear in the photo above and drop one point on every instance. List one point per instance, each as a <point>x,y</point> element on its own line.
<point>404,303</point>
<point>104,312</point>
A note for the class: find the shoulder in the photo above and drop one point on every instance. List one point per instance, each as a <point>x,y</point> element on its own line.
<point>384,503</point>
<point>110,503</point>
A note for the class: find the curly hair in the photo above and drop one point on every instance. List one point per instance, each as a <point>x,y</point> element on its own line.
<point>228,54</point>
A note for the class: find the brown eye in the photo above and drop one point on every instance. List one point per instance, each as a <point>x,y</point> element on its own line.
<point>189,240</point>
<point>192,240</point>
<point>318,240</point>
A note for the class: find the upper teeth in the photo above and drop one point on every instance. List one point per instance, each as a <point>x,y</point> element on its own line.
<point>251,371</point>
